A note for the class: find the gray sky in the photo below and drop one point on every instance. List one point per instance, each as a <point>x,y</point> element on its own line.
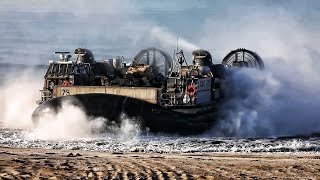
<point>32,30</point>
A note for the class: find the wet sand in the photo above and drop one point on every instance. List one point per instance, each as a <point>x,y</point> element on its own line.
<point>73,164</point>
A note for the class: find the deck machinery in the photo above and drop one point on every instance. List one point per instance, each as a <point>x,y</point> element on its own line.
<point>161,93</point>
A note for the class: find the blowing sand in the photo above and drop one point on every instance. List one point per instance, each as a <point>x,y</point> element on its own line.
<point>62,164</point>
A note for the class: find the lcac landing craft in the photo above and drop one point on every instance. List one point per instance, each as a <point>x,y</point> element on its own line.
<point>161,93</point>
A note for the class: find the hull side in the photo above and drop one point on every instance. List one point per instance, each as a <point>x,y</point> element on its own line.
<point>182,120</point>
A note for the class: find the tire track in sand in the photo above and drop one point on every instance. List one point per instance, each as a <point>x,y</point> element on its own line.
<point>162,172</point>
<point>183,171</point>
<point>133,172</point>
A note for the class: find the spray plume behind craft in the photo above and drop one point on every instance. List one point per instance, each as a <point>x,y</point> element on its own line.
<point>282,100</point>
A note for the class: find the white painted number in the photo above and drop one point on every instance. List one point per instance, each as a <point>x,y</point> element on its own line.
<point>65,92</point>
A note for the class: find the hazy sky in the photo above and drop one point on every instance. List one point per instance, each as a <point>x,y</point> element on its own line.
<point>32,30</point>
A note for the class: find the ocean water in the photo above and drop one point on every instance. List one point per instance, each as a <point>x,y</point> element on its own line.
<point>162,143</point>
<point>281,101</point>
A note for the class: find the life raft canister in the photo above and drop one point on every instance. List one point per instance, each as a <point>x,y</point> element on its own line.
<point>66,83</point>
<point>191,90</point>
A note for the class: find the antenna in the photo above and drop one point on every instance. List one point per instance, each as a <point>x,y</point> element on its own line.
<point>177,44</point>
<point>62,55</point>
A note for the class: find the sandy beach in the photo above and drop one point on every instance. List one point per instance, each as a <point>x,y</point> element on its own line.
<point>62,164</point>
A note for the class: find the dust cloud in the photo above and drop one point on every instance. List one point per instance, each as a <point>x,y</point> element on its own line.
<point>19,96</point>
<point>283,99</point>
<point>18,101</point>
